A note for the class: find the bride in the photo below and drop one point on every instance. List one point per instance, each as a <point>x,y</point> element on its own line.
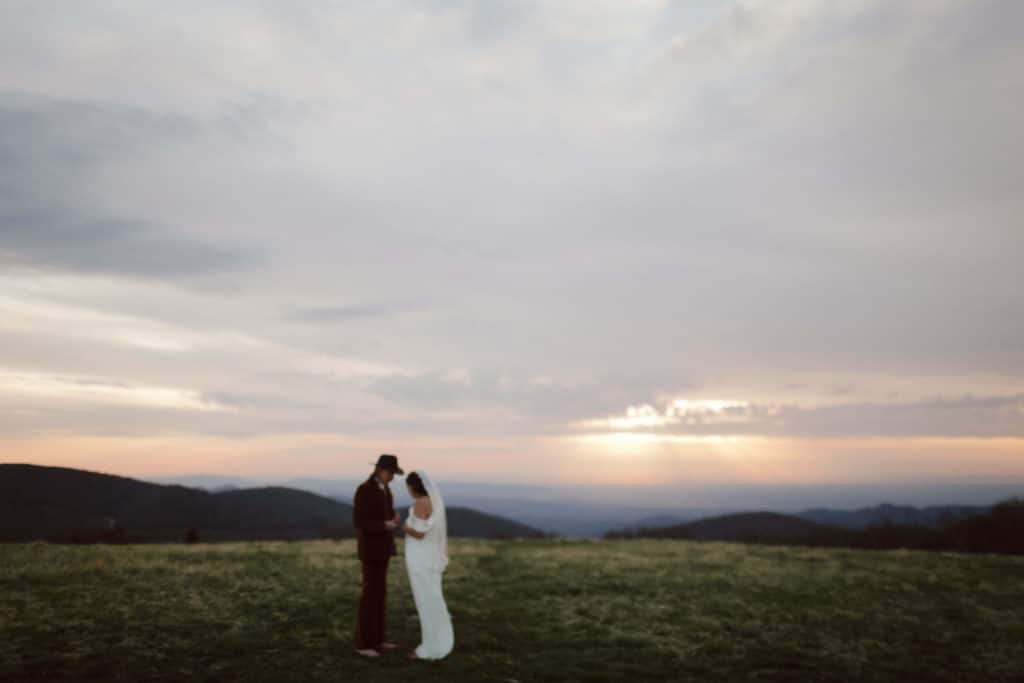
<point>426,556</point>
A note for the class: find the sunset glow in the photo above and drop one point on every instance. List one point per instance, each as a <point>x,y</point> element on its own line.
<point>676,412</point>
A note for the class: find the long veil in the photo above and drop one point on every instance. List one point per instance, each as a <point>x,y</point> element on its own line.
<point>439,539</point>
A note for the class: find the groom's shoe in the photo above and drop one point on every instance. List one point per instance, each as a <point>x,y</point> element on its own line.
<point>388,646</point>
<point>369,652</point>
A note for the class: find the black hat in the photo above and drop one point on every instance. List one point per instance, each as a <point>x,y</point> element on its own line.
<point>389,462</point>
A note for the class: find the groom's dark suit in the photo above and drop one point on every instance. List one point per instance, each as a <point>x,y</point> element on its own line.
<point>372,509</point>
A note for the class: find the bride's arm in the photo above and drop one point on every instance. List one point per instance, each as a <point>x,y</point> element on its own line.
<point>411,531</point>
<point>424,511</point>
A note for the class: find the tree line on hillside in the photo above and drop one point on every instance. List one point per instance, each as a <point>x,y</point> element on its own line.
<point>999,530</point>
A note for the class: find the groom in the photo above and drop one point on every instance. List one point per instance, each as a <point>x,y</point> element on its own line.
<point>375,519</point>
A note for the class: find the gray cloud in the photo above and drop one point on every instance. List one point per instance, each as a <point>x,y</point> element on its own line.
<point>548,403</point>
<point>968,416</point>
<point>49,151</point>
<point>349,313</point>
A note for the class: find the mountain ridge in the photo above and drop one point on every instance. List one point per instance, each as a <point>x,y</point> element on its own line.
<point>740,527</point>
<point>66,504</point>
<point>996,530</point>
<point>932,516</point>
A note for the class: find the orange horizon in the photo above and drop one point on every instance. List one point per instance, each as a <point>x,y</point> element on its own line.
<point>608,460</point>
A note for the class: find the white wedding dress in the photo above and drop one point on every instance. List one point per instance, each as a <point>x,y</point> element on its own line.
<point>426,559</point>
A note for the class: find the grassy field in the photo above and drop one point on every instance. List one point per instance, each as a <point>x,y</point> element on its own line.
<point>543,610</point>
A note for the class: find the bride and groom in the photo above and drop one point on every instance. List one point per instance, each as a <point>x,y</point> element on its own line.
<point>426,556</point>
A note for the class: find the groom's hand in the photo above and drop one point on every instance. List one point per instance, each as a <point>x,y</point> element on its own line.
<point>390,526</point>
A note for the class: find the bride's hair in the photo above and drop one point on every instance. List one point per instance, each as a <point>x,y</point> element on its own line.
<point>416,484</point>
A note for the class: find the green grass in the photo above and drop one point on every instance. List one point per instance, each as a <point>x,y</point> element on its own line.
<point>540,610</point>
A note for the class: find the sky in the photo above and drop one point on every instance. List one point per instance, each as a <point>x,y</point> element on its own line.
<point>712,244</point>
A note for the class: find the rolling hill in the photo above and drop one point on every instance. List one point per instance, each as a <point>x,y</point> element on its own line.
<point>996,530</point>
<point>933,516</point>
<point>469,523</point>
<point>66,505</point>
<point>744,527</point>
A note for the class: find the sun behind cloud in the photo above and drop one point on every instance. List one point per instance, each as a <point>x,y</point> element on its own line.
<point>678,411</point>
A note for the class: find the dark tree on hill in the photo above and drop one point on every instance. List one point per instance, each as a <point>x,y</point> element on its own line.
<point>888,535</point>
<point>999,531</point>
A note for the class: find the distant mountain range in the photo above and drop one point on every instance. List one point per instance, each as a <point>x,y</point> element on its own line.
<point>773,527</point>
<point>934,516</point>
<point>561,511</point>
<point>62,504</point>
<point>995,529</point>
<point>581,511</point>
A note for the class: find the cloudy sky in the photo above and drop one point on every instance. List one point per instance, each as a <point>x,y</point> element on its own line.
<point>764,242</point>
